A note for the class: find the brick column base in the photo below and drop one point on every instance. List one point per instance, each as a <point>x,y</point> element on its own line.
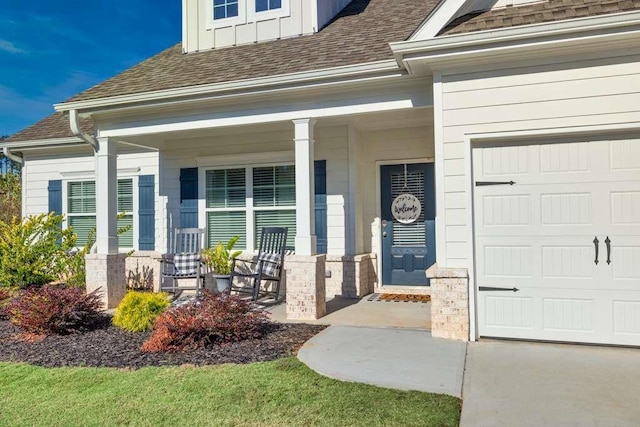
<point>449,302</point>
<point>107,273</point>
<point>305,287</point>
<point>351,276</point>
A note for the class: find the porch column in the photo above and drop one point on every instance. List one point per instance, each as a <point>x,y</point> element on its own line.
<point>105,269</point>
<point>305,203</point>
<point>106,197</point>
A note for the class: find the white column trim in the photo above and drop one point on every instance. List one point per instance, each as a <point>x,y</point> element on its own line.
<point>106,196</point>
<point>305,187</point>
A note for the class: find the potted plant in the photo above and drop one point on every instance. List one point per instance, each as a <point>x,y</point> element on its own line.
<point>220,259</point>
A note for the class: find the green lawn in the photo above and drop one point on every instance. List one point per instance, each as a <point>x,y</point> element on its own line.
<point>279,393</point>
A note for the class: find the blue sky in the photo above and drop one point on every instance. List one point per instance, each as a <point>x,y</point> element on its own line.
<point>52,49</point>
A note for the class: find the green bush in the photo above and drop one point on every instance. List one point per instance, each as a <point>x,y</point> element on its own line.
<point>34,251</point>
<point>138,310</point>
<point>10,196</point>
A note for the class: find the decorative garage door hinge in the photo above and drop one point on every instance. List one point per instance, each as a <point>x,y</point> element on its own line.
<point>489,288</point>
<point>486,183</point>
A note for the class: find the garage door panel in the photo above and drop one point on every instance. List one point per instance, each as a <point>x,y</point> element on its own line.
<point>538,236</point>
<point>626,317</point>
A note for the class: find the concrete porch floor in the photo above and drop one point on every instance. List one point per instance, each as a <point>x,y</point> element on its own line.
<point>377,314</point>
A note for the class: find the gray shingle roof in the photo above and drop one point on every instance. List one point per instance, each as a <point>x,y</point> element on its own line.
<point>537,13</point>
<point>361,33</point>
<point>54,126</point>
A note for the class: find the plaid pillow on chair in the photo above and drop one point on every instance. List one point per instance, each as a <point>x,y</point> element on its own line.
<point>186,264</point>
<point>270,264</point>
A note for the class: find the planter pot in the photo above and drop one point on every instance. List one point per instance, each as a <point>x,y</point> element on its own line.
<point>223,283</point>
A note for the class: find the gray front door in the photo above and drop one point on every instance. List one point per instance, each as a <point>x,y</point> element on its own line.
<point>408,249</point>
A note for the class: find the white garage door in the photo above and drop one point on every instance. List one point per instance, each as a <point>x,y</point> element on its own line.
<point>565,234</point>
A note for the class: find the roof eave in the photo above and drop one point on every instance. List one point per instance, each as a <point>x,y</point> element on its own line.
<point>462,45</point>
<point>41,143</point>
<point>238,86</point>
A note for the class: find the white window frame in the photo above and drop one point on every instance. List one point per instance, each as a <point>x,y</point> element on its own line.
<point>136,208</point>
<point>249,207</point>
<point>227,22</point>
<point>282,12</point>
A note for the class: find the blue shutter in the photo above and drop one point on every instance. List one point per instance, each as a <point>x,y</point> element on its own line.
<point>320,170</point>
<point>55,196</point>
<point>189,198</point>
<point>146,213</point>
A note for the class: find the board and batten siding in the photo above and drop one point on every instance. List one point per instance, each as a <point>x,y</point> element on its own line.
<point>259,147</point>
<point>77,166</point>
<point>573,93</point>
<point>199,34</point>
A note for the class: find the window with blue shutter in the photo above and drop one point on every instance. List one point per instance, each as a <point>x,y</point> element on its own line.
<point>235,207</point>
<point>146,213</point>
<point>81,210</point>
<point>55,196</point>
<point>189,198</point>
<point>320,179</point>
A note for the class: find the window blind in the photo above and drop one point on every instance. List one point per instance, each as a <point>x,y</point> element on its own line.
<point>276,218</point>
<point>222,226</point>
<point>274,186</point>
<point>226,188</point>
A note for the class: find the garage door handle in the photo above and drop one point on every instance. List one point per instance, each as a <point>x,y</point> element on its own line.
<point>596,243</point>
<point>608,243</point>
<point>489,288</point>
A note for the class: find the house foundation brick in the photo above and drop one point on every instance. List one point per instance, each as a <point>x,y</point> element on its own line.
<point>305,287</point>
<point>106,273</point>
<point>449,303</point>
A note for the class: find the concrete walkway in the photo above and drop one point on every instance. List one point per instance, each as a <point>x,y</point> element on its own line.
<point>353,312</point>
<point>535,384</point>
<point>404,359</point>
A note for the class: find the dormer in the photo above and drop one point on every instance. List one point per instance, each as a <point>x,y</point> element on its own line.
<point>214,24</point>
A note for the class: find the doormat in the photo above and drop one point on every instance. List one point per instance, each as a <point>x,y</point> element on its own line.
<point>400,297</point>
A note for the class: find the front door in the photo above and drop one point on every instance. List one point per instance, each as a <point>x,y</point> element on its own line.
<point>408,223</point>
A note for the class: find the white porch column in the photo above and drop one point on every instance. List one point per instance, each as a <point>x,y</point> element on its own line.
<point>106,197</point>
<point>105,270</point>
<point>305,203</point>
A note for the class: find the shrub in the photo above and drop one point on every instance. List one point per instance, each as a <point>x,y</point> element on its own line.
<point>55,309</point>
<point>6,295</point>
<point>138,310</point>
<point>34,251</point>
<point>10,193</point>
<point>214,318</point>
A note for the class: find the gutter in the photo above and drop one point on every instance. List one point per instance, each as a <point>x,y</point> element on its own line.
<point>14,157</point>
<point>75,129</point>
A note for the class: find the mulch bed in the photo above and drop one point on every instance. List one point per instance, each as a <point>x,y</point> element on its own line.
<point>112,347</point>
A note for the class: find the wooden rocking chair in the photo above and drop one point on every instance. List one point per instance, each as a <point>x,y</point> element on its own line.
<point>184,261</point>
<point>267,267</point>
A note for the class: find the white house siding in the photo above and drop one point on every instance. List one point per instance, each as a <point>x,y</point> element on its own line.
<point>386,146</point>
<point>267,146</point>
<point>569,93</point>
<point>200,33</point>
<point>74,166</point>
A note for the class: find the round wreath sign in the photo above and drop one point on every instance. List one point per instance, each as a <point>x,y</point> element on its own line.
<point>406,208</point>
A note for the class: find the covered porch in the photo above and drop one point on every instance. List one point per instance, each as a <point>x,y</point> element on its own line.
<point>318,170</point>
